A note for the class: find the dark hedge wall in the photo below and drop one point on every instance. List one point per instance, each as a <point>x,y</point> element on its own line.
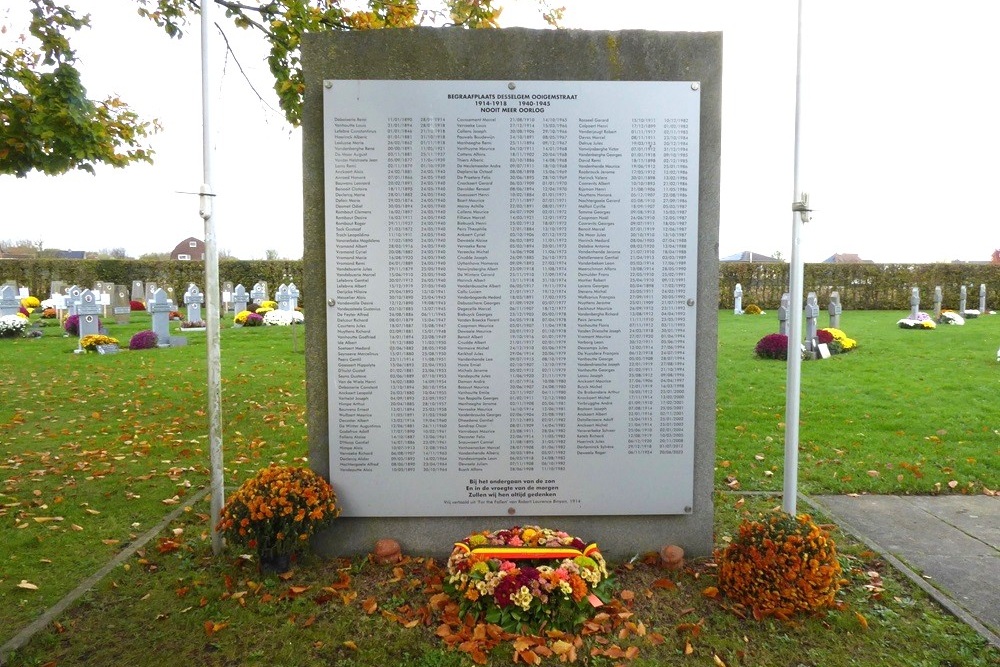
<point>37,274</point>
<point>861,286</point>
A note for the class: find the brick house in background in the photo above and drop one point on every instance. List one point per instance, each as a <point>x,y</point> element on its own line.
<point>189,249</point>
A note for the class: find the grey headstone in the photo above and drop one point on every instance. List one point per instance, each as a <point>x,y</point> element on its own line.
<point>9,303</point>
<point>835,310</point>
<point>160,308</point>
<point>281,296</point>
<point>138,291</point>
<point>812,313</point>
<point>120,306</point>
<point>150,288</point>
<point>914,303</point>
<point>258,294</point>
<point>106,297</point>
<point>56,287</point>
<point>193,297</point>
<point>783,315</point>
<point>738,296</point>
<point>962,296</point>
<point>982,299</point>
<point>73,300</point>
<point>89,312</point>
<point>937,302</point>
<point>239,298</point>
<point>293,296</point>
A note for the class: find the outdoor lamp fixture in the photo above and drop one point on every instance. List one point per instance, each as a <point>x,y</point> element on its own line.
<point>802,207</point>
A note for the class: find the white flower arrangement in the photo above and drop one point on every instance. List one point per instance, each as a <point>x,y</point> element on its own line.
<point>283,318</point>
<point>12,326</point>
<point>921,321</point>
<point>951,317</point>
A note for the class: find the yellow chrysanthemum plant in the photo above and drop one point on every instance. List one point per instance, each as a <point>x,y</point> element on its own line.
<point>526,579</point>
<point>91,342</point>
<point>780,566</point>
<point>278,510</point>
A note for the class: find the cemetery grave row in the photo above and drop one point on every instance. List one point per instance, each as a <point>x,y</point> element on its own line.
<point>915,320</point>
<point>80,309</point>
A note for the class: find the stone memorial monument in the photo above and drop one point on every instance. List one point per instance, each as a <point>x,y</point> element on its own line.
<point>811,315</point>
<point>982,299</point>
<point>9,303</point>
<point>73,299</point>
<point>962,298</point>
<point>239,299</point>
<point>550,159</point>
<point>120,306</point>
<point>138,291</point>
<point>738,296</point>
<point>150,289</point>
<point>159,306</point>
<point>937,303</point>
<point>89,310</point>
<point>258,294</point>
<point>293,297</point>
<point>171,295</point>
<point>914,303</point>
<point>783,315</point>
<point>835,309</point>
<point>193,298</point>
<point>281,296</point>
<point>56,287</point>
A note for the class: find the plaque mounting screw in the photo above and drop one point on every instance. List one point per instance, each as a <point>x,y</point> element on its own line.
<point>328,84</point>
<point>696,85</point>
<point>690,302</point>
<point>511,511</point>
<point>687,509</point>
<point>511,86</point>
<point>331,302</point>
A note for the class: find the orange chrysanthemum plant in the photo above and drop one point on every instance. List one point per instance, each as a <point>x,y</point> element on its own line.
<point>276,511</point>
<point>779,566</point>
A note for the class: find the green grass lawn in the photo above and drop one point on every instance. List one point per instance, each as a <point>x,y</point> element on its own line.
<point>95,450</point>
<point>908,412</point>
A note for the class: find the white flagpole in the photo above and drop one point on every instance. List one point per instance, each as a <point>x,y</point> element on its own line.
<point>211,282</point>
<point>800,214</point>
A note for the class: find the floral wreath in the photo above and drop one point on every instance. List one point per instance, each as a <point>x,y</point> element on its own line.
<point>526,578</point>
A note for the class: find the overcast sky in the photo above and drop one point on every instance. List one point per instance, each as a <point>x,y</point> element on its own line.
<point>899,131</point>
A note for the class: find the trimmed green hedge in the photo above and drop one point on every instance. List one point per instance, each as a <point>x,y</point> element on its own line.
<point>862,286</point>
<point>38,274</point>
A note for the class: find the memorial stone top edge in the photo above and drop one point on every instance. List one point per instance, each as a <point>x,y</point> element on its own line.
<point>569,54</point>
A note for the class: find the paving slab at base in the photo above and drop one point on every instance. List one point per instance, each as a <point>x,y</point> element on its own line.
<point>951,541</point>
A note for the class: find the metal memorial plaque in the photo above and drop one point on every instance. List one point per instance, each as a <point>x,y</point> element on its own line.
<point>512,271</point>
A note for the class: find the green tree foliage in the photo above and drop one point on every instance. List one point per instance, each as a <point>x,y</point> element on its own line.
<point>48,123</point>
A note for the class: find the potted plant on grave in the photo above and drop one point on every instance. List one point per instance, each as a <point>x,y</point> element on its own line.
<point>13,326</point>
<point>93,341</point>
<point>143,340</point>
<point>275,512</point>
<point>245,318</point>
<point>779,566</point>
